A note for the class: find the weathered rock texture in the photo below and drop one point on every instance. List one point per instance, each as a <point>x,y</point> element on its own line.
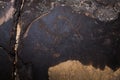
<point>6,28</point>
<point>54,31</point>
<point>62,34</point>
<point>8,21</point>
<point>104,10</point>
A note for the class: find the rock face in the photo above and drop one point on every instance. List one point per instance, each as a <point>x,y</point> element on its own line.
<point>54,31</point>
<point>6,23</point>
<point>6,27</point>
<point>8,20</point>
<point>63,34</point>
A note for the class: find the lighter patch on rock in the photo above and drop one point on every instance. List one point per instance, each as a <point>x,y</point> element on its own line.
<point>74,70</point>
<point>8,14</point>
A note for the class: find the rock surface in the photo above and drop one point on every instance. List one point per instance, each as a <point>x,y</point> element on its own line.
<point>8,22</point>
<point>6,66</point>
<point>62,34</point>
<point>54,31</point>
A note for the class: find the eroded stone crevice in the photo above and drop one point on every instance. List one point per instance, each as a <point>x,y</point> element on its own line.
<point>17,38</point>
<point>16,47</point>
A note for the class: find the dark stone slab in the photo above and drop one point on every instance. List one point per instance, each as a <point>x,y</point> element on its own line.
<point>62,35</point>
<point>5,66</point>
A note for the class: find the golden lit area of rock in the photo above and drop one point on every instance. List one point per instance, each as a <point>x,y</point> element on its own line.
<point>74,70</point>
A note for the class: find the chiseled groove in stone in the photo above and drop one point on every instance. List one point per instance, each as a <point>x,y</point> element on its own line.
<point>26,32</point>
